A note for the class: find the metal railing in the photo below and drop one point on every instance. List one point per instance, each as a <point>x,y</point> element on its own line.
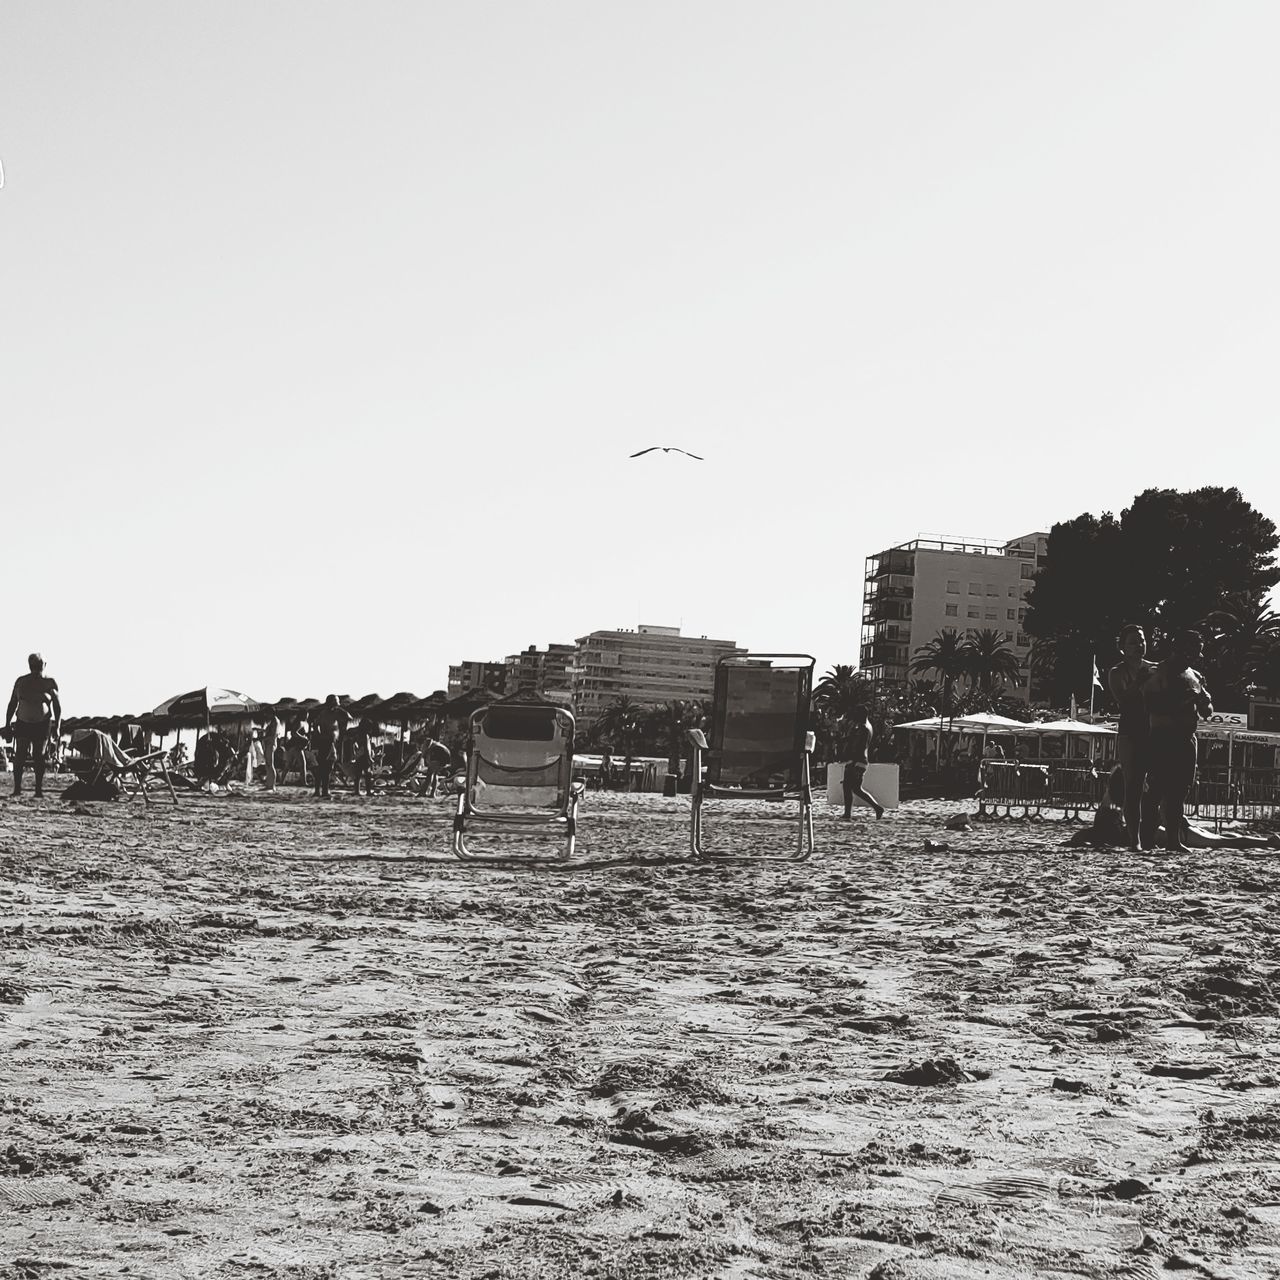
<point>1011,790</point>
<point>1234,795</point>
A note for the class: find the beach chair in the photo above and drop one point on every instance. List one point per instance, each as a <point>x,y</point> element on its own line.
<point>106,762</point>
<point>403,776</point>
<point>761,744</point>
<point>519,777</point>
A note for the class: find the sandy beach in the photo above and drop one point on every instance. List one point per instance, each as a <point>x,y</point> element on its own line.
<point>266,1036</point>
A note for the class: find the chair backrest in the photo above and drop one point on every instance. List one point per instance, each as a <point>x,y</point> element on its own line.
<point>521,754</point>
<point>759,720</point>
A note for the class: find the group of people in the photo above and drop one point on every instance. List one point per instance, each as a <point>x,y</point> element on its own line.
<point>331,743</point>
<point>1161,705</point>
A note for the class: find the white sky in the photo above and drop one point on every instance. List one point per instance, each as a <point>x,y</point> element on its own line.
<point>326,329</point>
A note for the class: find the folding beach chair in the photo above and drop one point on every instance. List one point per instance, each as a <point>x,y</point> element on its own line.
<point>519,775</point>
<point>761,744</point>
<point>106,762</point>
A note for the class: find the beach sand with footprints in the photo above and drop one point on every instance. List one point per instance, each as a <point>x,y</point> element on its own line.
<point>244,1037</point>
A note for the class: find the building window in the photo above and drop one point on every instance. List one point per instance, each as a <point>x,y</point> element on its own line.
<point>975,613</point>
<point>1010,614</point>
<point>953,587</point>
<point>975,588</point>
<point>1028,570</point>
<point>953,611</point>
<point>991,615</point>
<point>1022,641</point>
<point>1008,636</point>
<point>992,589</point>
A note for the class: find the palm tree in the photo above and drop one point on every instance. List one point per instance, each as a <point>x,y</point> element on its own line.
<point>841,688</point>
<point>834,698</point>
<point>668,725</point>
<point>620,725</point>
<point>990,661</point>
<point>945,655</point>
<point>1239,638</point>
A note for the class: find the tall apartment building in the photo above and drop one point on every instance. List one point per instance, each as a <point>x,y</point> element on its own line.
<point>917,589</point>
<point>465,676</point>
<point>648,665</point>
<point>546,671</point>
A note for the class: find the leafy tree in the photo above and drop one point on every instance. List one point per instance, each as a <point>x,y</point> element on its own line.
<point>1170,561</point>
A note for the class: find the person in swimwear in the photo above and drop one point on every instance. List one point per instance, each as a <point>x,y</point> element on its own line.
<point>39,712</point>
<point>860,757</point>
<point>1125,681</point>
<point>328,727</point>
<point>1176,699</point>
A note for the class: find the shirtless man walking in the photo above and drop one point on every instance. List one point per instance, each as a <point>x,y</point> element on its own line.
<point>35,699</point>
<point>328,727</point>
<point>860,756</point>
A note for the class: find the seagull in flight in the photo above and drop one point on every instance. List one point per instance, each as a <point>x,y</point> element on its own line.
<point>668,449</point>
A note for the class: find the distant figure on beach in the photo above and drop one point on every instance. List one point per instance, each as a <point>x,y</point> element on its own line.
<point>295,752</point>
<point>361,739</point>
<point>328,728</point>
<point>39,711</point>
<point>1126,681</point>
<point>1176,700</point>
<point>269,736</point>
<point>859,758</point>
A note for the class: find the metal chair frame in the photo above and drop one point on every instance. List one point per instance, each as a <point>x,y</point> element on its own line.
<point>562,815</point>
<point>720,749</point>
<point>139,768</point>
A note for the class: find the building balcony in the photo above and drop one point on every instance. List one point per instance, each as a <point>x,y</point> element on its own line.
<point>894,561</point>
<point>887,610</point>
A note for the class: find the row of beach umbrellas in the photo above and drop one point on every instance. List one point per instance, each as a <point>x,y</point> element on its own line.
<point>209,705</point>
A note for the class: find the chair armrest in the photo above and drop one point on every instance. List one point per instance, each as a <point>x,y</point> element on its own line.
<point>810,742</point>
<point>697,739</point>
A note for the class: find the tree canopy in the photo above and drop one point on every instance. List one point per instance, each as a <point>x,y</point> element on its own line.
<point>1172,560</point>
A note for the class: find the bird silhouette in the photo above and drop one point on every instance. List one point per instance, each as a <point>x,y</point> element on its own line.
<point>668,448</point>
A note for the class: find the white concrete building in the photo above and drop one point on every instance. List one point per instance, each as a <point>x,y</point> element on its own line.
<point>648,665</point>
<point>919,588</point>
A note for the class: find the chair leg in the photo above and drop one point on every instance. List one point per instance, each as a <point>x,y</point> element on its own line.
<point>806,829</point>
<point>695,827</point>
<point>571,824</point>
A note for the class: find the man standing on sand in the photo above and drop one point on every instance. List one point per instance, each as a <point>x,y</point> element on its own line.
<point>328,727</point>
<point>859,757</point>
<point>35,699</point>
<point>1176,699</point>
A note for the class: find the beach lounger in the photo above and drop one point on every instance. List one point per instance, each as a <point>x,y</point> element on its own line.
<point>109,763</point>
<point>404,776</point>
<point>761,744</point>
<point>519,777</point>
